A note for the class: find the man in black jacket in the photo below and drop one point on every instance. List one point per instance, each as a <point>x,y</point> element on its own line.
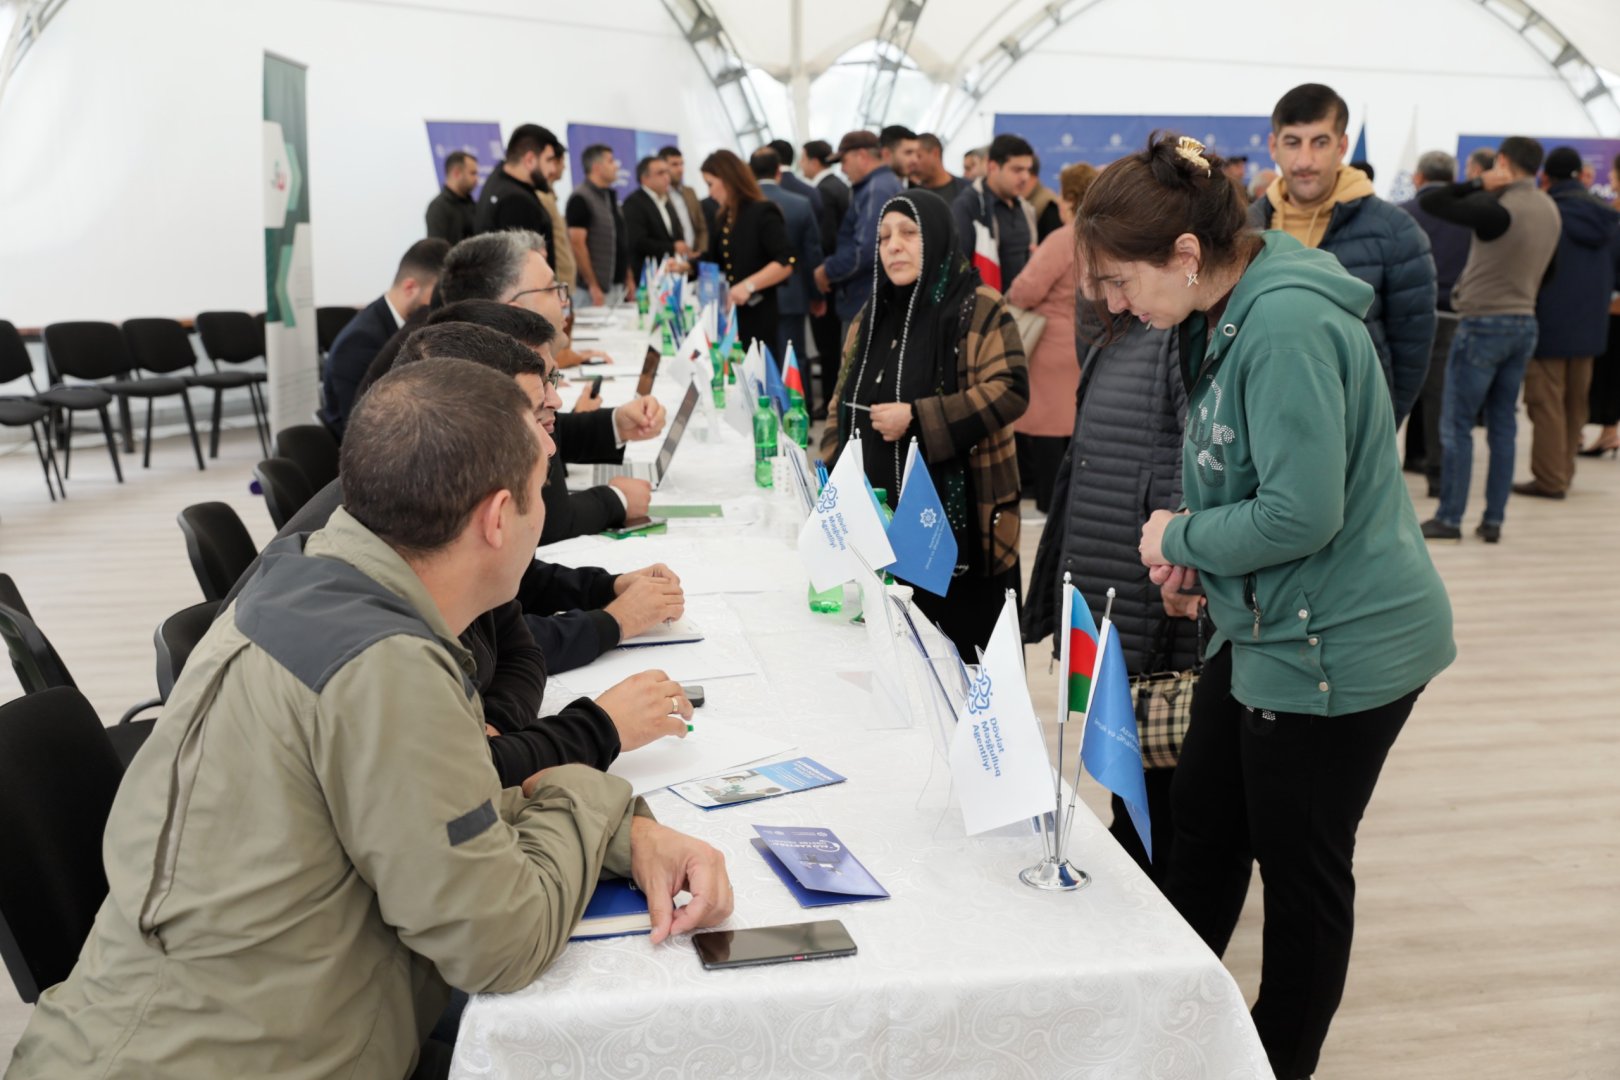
<point>363,337</point>
<point>512,663</point>
<point>1323,204</point>
<point>653,227</point>
<point>825,328</point>
<point>511,195</point>
<point>452,213</point>
<point>510,269</point>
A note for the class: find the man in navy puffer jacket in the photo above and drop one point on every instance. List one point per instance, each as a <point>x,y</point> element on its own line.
<point>1326,205</point>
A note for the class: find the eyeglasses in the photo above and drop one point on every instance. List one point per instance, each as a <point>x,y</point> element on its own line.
<point>560,288</point>
<point>553,378</point>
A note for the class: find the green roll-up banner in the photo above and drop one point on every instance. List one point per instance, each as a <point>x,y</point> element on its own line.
<point>289,320</point>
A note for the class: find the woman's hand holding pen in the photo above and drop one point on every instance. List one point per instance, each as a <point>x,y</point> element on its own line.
<point>891,419</point>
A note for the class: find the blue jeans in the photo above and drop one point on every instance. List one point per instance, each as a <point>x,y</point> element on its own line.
<point>1484,371</point>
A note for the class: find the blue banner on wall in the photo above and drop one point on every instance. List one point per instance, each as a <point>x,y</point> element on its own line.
<point>480,138</point>
<point>629,146</point>
<point>1097,140</point>
<point>1597,153</point>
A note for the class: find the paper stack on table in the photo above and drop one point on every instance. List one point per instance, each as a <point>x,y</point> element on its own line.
<point>711,748</point>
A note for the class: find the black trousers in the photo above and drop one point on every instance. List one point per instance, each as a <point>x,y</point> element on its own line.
<point>1604,396</point>
<point>967,612</point>
<point>827,332</point>
<point>1038,459</point>
<point>1160,813</point>
<point>1286,790</point>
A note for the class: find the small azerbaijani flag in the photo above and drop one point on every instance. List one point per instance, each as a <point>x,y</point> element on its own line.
<point>1082,666</point>
<point>792,377</point>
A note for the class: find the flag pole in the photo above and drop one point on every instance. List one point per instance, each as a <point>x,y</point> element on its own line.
<point>1091,694</point>
<point>1054,872</point>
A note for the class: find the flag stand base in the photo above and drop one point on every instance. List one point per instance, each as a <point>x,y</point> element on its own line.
<point>1054,875</point>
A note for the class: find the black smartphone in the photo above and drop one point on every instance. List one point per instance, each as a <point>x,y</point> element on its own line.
<point>596,386</point>
<point>694,694</point>
<point>773,944</point>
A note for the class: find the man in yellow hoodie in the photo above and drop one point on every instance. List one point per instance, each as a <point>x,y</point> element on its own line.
<point>1324,204</point>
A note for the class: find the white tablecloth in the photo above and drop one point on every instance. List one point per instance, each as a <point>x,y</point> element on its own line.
<point>963,972</point>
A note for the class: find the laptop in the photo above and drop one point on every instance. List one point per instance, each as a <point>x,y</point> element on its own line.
<point>655,471</point>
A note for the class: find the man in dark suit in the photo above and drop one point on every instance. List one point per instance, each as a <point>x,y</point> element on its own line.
<point>825,329</point>
<point>650,220</point>
<point>360,341</point>
<point>511,195</point>
<point>451,214</point>
<point>797,297</point>
<point>791,182</point>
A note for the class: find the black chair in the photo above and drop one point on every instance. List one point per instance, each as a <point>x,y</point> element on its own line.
<point>219,546</point>
<point>39,667</point>
<point>235,337</point>
<point>96,350</point>
<point>285,488</point>
<point>163,345</point>
<point>72,399</point>
<point>176,636</point>
<point>312,448</point>
<point>329,323</point>
<point>19,410</point>
<point>58,776</point>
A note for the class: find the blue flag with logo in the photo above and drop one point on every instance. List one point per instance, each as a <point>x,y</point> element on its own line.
<point>774,386</point>
<point>1111,751</point>
<point>924,546</point>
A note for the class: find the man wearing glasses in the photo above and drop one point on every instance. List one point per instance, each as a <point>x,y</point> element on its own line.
<point>363,338</point>
<point>510,268</point>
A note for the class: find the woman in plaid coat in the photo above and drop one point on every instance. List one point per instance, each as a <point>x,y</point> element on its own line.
<point>935,355</point>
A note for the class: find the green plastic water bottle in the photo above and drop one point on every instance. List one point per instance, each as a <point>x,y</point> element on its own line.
<point>737,358</point>
<point>888,516</point>
<point>642,302</point>
<point>717,383</point>
<point>666,343</point>
<point>796,422</point>
<point>764,442</point>
<point>827,601</point>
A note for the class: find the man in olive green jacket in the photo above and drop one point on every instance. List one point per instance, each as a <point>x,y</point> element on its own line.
<point>313,842</point>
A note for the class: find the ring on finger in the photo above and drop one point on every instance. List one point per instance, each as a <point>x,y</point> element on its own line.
<point>674,705</point>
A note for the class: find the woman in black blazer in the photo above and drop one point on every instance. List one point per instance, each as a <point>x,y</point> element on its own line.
<point>750,243</point>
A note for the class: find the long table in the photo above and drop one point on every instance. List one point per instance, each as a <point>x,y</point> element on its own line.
<point>963,972</point>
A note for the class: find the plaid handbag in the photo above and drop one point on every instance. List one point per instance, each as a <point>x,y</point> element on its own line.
<point>1163,699</point>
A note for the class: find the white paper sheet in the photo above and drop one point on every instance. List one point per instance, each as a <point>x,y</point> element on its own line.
<point>693,662</point>
<point>709,750</point>
<point>736,566</point>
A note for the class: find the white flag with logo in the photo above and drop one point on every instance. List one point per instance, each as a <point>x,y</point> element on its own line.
<point>696,350</point>
<point>845,522</point>
<point>998,754</point>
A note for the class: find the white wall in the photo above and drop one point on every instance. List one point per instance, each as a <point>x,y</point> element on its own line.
<point>130,146</point>
<point>1448,63</point>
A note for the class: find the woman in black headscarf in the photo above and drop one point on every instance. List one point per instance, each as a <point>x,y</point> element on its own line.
<point>935,355</point>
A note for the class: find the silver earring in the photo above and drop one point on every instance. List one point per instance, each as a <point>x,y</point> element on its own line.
<point>1192,279</point>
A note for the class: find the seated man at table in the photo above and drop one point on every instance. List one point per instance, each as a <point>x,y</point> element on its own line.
<point>312,843</point>
<point>510,268</point>
<point>364,336</point>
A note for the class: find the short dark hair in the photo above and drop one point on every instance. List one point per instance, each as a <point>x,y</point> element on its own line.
<point>894,135</point>
<point>482,345</point>
<point>423,261</point>
<point>784,151</point>
<point>643,165</point>
<point>818,150</point>
<point>1365,166</point>
<point>930,142</point>
<point>594,153</point>
<point>1563,163</point>
<point>429,443</point>
<point>454,158</point>
<point>485,266</point>
<point>530,137</point>
<point>1484,157</point>
<point>671,151</point>
<point>531,329</point>
<point>521,323</point>
<point>1306,104</point>
<point>1524,152</point>
<point>1437,166</point>
<point>765,163</point>
<point>1003,148</point>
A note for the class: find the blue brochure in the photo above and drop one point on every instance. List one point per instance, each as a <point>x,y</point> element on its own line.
<point>758,782</point>
<point>815,866</point>
<point>616,908</point>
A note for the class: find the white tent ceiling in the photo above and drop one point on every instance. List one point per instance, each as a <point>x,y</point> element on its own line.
<point>953,35</point>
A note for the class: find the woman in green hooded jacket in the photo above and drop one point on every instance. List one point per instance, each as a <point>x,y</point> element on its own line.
<point>1330,619</point>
